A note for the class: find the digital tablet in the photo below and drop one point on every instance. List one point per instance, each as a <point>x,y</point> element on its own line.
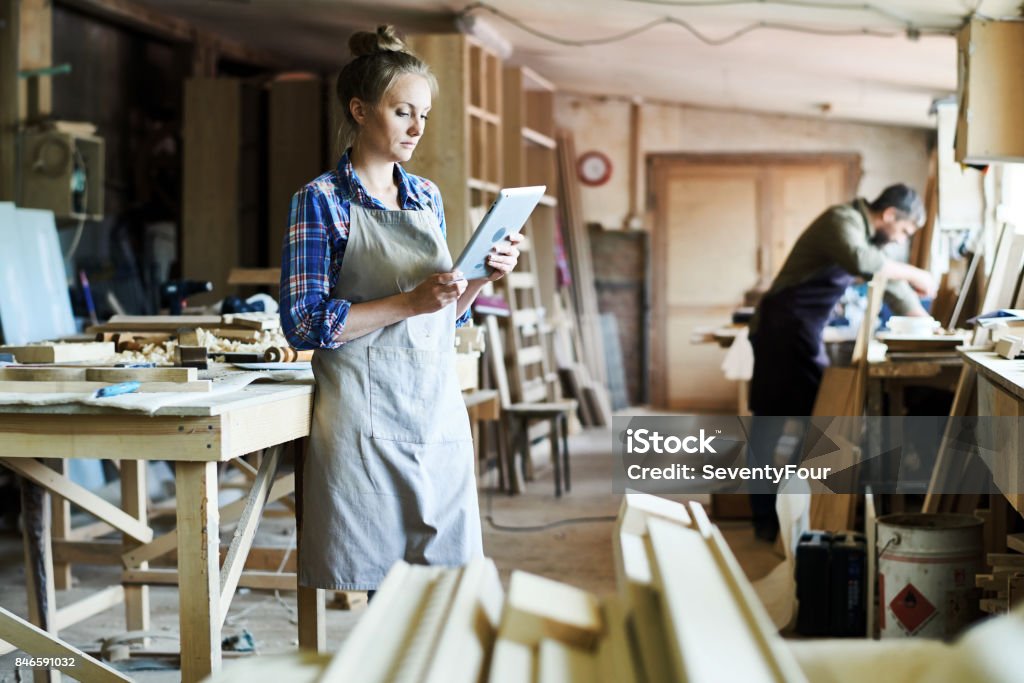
<point>506,216</point>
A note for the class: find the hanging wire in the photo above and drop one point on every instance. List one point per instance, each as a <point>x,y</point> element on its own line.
<point>911,31</point>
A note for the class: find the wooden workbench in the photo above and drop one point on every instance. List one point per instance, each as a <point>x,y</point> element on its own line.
<point>1001,394</point>
<point>195,437</point>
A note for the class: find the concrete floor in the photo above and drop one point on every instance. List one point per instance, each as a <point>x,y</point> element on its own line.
<point>579,553</point>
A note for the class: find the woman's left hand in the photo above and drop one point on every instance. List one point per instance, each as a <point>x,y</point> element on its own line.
<point>504,257</point>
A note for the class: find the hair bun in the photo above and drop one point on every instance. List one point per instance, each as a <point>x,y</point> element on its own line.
<point>383,40</point>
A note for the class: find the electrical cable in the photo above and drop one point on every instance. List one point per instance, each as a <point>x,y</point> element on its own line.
<point>911,31</point>
<point>489,516</point>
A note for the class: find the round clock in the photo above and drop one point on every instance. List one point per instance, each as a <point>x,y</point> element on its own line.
<point>593,168</point>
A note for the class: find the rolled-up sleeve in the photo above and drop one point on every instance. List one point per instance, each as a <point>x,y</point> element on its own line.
<point>310,318</point>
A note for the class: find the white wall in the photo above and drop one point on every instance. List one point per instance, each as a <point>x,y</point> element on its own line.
<point>889,153</point>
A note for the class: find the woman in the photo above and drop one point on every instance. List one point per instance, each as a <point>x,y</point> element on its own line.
<point>367,281</point>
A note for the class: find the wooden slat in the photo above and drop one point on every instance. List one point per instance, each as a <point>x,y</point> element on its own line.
<point>518,280</point>
<point>61,353</point>
<point>245,532</point>
<point>35,641</point>
<point>529,355</point>
<point>85,499</point>
<point>538,138</point>
<point>539,608</point>
<point>89,606</point>
<point>259,276</point>
<point>526,317</point>
<point>134,501</point>
<point>39,387</point>
<point>198,543</point>
<point>255,579</point>
<point>178,375</point>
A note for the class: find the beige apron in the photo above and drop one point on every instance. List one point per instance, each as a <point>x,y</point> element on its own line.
<point>389,470</point>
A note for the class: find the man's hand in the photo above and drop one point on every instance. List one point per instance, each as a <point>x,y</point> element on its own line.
<point>436,292</point>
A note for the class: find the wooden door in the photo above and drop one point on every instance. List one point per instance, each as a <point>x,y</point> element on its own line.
<point>723,225</point>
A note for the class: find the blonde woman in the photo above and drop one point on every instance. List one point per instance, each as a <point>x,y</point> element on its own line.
<point>367,282</point>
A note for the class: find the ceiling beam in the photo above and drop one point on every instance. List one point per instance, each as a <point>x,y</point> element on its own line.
<point>144,19</point>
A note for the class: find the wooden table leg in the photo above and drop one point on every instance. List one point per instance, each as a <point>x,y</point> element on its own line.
<point>198,569</point>
<point>134,499</point>
<point>311,602</point>
<point>60,527</point>
<point>42,605</point>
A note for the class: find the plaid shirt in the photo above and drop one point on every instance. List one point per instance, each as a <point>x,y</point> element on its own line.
<point>314,248</point>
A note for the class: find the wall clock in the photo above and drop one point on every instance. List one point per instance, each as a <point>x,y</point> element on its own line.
<point>593,168</point>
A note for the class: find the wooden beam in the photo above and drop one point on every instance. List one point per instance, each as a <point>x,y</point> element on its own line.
<point>10,23</point>
<point>35,51</point>
<point>134,501</point>
<point>37,642</point>
<point>83,498</point>
<point>144,19</point>
<point>198,544</point>
<point>245,532</point>
<point>91,605</point>
<point>257,580</point>
<point>60,528</point>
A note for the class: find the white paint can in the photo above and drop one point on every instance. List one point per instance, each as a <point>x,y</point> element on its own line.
<point>926,569</point>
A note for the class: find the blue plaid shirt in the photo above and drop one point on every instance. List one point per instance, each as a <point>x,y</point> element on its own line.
<point>314,248</point>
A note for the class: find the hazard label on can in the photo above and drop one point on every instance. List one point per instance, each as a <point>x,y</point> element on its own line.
<point>911,609</point>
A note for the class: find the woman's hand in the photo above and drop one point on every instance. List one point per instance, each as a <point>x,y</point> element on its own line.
<point>436,292</point>
<point>504,257</point>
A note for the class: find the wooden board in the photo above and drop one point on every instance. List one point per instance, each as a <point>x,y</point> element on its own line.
<point>42,387</point>
<point>539,608</point>
<point>909,343</point>
<point>61,353</point>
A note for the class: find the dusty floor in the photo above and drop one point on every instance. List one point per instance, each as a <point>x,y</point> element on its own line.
<point>578,552</point>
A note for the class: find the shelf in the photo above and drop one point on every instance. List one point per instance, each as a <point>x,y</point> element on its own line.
<point>538,138</point>
<point>483,185</point>
<point>483,114</point>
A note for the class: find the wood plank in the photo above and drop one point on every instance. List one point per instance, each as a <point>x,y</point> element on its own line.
<point>135,501</point>
<point>80,496</point>
<point>263,276</point>
<point>964,403</point>
<point>211,194</point>
<point>89,606</point>
<point>61,353</point>
<point>198,544</point>
<point>42,387</point>
<point>254,579</point>
<point>245,532</point>
<point>46,374</point>
<point>178,375</point>
<point>113,436</point>
<point>511,662</point>
<point>560,663</point>
<point>35,641</point>
<point>538,608</point>
<point>720,643</point>
<point>529,355</point>
<point>469,628</point>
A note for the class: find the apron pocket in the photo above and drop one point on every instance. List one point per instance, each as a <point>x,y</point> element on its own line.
<point>414,396</point>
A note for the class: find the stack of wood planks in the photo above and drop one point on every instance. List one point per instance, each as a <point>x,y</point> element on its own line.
<point>1004,587</point>
<point>684,611</point>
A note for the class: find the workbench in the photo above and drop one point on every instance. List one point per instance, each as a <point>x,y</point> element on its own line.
<point>1001,394</point>
<point>195,437</point>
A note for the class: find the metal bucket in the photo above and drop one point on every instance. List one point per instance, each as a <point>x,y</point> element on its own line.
<point>926,569</point>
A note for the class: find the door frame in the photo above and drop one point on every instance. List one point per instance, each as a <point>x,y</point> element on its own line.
<point>659,166</point>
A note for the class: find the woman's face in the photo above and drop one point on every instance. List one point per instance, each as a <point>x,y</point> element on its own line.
<point>393,128</point>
